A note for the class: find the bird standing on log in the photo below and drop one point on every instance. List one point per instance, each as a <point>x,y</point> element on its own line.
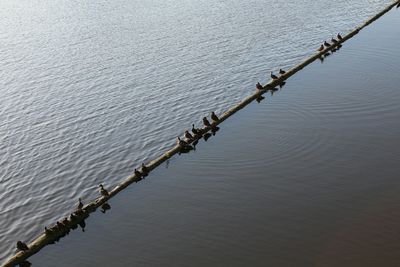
<point>214,117</point>
<point>281,71</point>
<point>103,191</point>
<point>334,41</point>
<point>327,44</point>
<point>339,37</point>
<point>188,136</point>
<point>145,170</point>
<point>80,204</point>
<point>206,122</point>
<point>259,86</point>
<point>22,246</point>
<point>321,48</point>
<point>195,131</point>
<point>181,143</point>
<point>273,76</point>
<point>137,173</point>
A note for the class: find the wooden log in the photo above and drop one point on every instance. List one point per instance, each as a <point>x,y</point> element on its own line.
<point>43,240</point>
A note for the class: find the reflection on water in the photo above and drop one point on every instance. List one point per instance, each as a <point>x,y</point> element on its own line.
<point>308,178</point>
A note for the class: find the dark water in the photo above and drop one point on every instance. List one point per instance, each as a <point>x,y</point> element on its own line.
<point>90,89</point>
<point>308,177</point>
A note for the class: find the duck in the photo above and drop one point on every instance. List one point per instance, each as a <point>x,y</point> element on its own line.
<point>195,131</point>
<point>259,86</point>
<point>339,37</point>
<point>22,246</point>
<point>188,135</point>
<point>327,44</point>
<point>214,117</point>
<point>334,41</point>
<point>144,168</point>
<point>103,191</point>
<point>321,48</point>
<point>137,173</point>
<point>181,142</point>
<point>80,204</point>
<point>273,76</point>
<point>206,122</point>
<point>281,71</point>
<point>47,231</point>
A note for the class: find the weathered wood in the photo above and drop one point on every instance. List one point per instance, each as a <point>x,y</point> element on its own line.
<point>42,240</point>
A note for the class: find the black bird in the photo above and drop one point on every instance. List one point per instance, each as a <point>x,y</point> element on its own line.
<point>274,77</point>
<point>206,122</point>
<point>103,191</point>
<point>80,204</point>
<point>48,231</point>
<point>339,37</point>
<point>188,135</point>
<point>195,131</point>
<point>144,169</point>
<point>137,173</point>
<point>259,86</point>
<point>281,71</point>
<point>321,48</point>
<point>334,41</point>
<point>22,246</point>
<point>214,117</point>
<point>327,44</point>
<point>181,142</point>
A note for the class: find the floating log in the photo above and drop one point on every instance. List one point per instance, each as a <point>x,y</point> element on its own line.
<point>45,239</point>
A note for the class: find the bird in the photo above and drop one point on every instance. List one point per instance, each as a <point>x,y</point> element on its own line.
<point>259,86</point>
<point>334,41</point>
<point>47,231</point>
<point>144,168</point>
<point>339,37</point>
<point>195,131</point>
<point>80,204</point>
<point>22,246</point>
<point>281,71</point>
<point>206,122</point>
<point>321,48</point>
<point>274,77</point>
<point>181,142</point>
<point>103,191</point>
<point>327,44</point>
<point>188,135</point>
<point>137,173</point>
<point>214,117</point>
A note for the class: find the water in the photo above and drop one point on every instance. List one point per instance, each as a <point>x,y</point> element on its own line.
<point>90,89</point>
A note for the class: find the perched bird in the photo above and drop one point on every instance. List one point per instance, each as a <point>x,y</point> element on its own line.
<point>137,173</point>
<point>195,131</point>
<point>181,142</point>
<point>144,169</point>
<point>48,231</point>
<point>214,117</point>
<point>22,246</point>
<point>327,44</point>
<point>206,122</point>
<point>80,204</point>
<point>321,48</point>
<point>334,41</point>
<point>339,37</point>
<point>281,71</point>
<point>259,86</point>
<point>103,191</point>
<point>273,76</point>
<point>188,135</point>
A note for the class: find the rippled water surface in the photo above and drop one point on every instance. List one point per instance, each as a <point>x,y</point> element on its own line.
<point>91,89</point>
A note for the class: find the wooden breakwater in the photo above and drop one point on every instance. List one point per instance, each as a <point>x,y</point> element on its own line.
<point>45,239</point>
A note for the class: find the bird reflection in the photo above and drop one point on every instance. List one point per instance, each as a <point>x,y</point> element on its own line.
<point>214,130</point>
<point>321,59</point>
<point>282,84</point>
<point>105,207</point>
<point>206,136</point>
<point>82,224</point>
<point>260,98</point>
<point>25,264</point>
